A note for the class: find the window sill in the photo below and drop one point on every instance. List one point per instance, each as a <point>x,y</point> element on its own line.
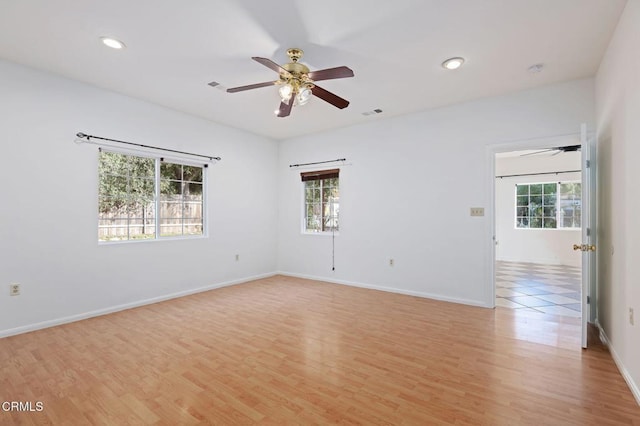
<point>548,229</point>
<point>152,240</point>
<point>321,234</point>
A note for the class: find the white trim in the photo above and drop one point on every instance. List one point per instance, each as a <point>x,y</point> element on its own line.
<point>635,390</point>
<point>387,289</point>
<point>490,229</point>
<point>117,308</point>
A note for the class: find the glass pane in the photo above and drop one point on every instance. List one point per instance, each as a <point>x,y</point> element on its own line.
<point>326,193</point>
<point>522,200</point>
<point>113,185</point>
<point>535,222</point>
<point>111,205</point>
<point>535,211</point>
<point>549,212</point>
<point>536,200</point>
<point>171,209</point>
<point>549,222</point>
<point>170,171</point>
<point>192,173</point>
<point>312,195</point>
<point>193,191</point>
<point>550,188</point>
<point>192,210</point>
<point>170,227</point>
<point>522,189</point>
<point>142,167</point>
<point>333,182</point>
<point>549,200</point>
<point>310,184</point>
<point>142,188</point>
<point>113,163</point>
<point>577,218</point>
<point>192,228</point>
<point>522,222</point>
<point>170,188</point>
<point>536,188</point>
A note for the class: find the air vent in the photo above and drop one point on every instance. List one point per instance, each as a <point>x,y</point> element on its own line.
<point>373,112</point>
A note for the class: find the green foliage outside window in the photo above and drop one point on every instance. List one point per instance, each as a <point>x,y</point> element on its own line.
<point>128,207</point>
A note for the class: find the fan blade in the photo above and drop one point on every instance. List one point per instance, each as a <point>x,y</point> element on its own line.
<point>251,86</point>
<point>331,73</point>
<point>271,65</point>
<point>327,96</point>
<point>285,109</point>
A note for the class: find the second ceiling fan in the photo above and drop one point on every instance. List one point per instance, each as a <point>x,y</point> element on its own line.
<point>297,82</point>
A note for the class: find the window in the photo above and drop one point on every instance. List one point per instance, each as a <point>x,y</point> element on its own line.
<point>147,198</point>
<point>570,208</point>
<point>548,205</point>
<point>321,200</point>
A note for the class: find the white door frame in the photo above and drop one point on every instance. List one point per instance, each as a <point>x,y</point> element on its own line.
<point>491,151</point>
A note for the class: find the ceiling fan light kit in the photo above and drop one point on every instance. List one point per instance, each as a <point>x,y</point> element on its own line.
<point>297,83</point>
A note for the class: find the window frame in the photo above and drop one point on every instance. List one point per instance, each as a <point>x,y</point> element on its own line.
<point>557,216</point>
<point>158,159</point>
<point>307,177</point>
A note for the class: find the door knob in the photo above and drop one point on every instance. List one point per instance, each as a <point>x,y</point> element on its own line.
<point>584,247</point>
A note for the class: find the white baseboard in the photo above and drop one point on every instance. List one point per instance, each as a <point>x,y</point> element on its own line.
<point>112,309</point>
<point>388,289</point>
<point>635,390</point>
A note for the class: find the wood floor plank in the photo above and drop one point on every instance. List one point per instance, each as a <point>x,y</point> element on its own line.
<point>285,350</point>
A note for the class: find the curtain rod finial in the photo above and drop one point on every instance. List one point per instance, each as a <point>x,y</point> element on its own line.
<point>81,135</point>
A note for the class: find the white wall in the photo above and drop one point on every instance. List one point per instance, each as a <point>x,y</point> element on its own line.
<point>618,119</point>
<point>48,203</point>
<point>548,246</point>
<point>408,192</point>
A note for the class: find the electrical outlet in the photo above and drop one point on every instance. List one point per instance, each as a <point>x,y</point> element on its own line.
<point>631,321</point>
<point>14,289</point>
<point>477,211</point>
<point>391,262</point>
<point>237,257</point>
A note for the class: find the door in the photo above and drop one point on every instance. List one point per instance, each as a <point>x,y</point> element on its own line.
<point>588,245</point>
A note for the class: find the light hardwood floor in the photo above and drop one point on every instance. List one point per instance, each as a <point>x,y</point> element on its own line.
<point>289,351</point>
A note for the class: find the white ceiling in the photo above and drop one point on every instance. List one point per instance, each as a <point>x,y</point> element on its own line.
<point>394,47</point>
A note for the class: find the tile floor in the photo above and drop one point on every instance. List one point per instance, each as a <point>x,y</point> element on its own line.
<point>550,289</point>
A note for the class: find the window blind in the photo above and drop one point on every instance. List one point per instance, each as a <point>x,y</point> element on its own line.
<point>320,174</point>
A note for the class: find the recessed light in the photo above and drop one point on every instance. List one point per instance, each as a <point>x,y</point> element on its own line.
<point>453,63</point>
<point>112,43</point>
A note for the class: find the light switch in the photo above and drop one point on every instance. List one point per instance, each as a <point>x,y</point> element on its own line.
<point>477,211</point>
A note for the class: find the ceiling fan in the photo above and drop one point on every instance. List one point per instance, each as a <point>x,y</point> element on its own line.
<point>556,150</point>
<point>297,82</point>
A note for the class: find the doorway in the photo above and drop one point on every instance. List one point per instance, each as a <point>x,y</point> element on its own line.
<point>537,220</point>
